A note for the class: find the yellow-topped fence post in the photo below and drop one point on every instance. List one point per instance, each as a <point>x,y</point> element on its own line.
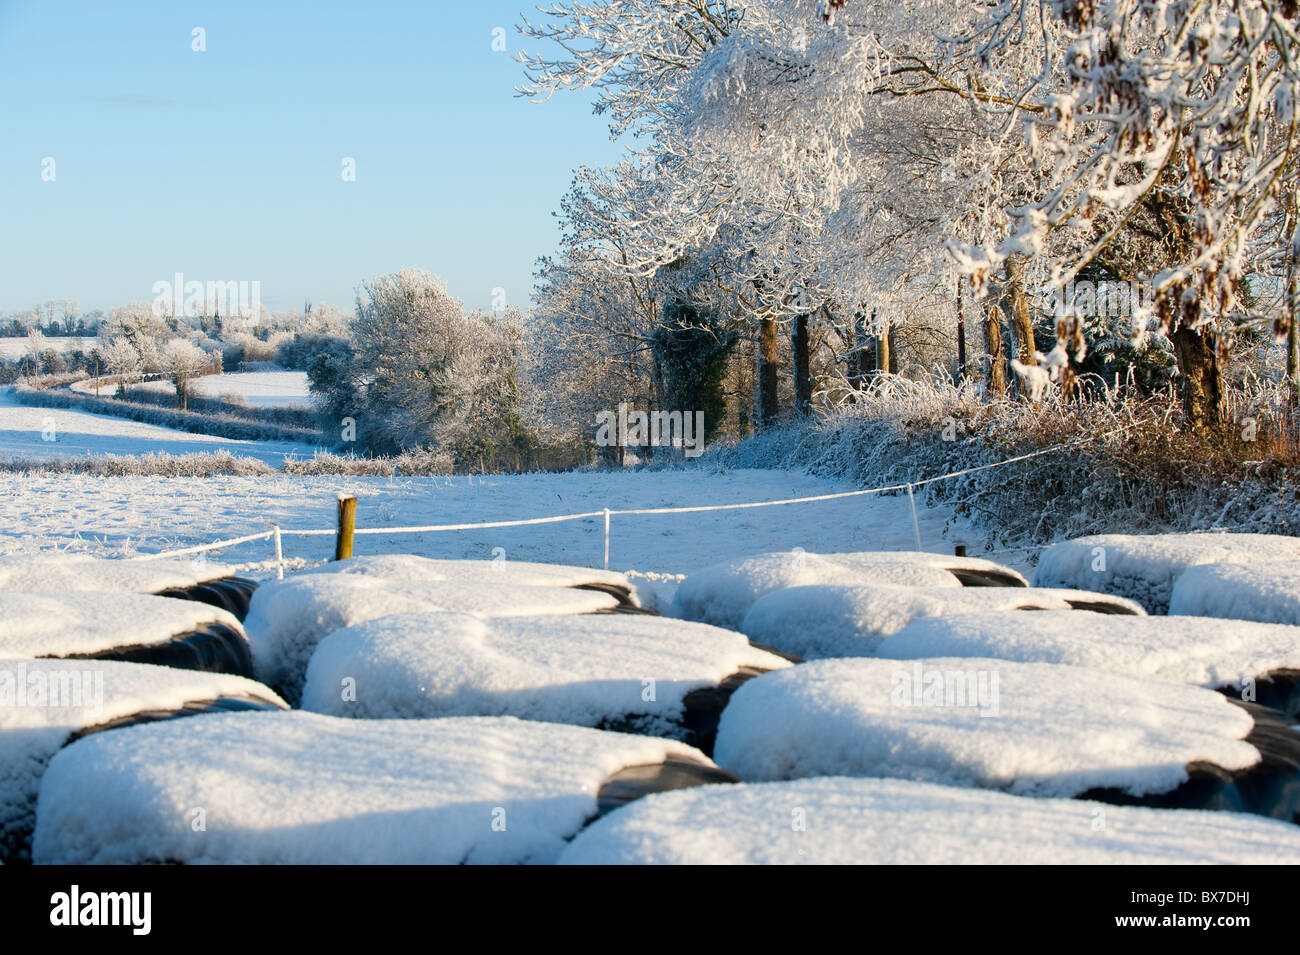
<point>347,524</point>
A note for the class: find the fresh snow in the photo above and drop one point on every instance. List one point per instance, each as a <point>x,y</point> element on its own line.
<point>80,572</point>
<point>838,621</point>
<point>1195,650</point>
<point>43,702</point>
<point>583,670</point>
<point>66,622</point>
<point>124,516</point>
<point>840,821</point>
<point>1268,592</point>
<point>1144,567</point>
<point>302,788</point>
<point>286,620</point>
<point>1036,728</point>
<point>258,389</point>
<point>723,593</point>
<point>507,573</point>
<point>25,432</point>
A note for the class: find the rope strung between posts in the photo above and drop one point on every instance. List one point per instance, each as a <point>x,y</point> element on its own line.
<point>277,532</point>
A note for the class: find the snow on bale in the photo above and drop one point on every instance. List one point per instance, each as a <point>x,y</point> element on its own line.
<point>44,704</point>
<point>818,621</point>
<point>1036,729</point>
<point>723,594</point>
<point>76,572</point>
<point>629,673</point>
<point>1265,592</point>
<point>505,573</point>
<point>1145,567</point>
<point>183,579</point>
<point>1260,661</point>
<point>289,618</point>
<point>302,788</point>
<point>133,628</point>
<point>893,822</point>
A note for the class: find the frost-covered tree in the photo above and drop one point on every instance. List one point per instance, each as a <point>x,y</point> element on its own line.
<point>419,372</point>
<point>184,360</point>
<point>1173,131</point>
<point>142,329</point>
<point>34,349</point>
<point>122,360</point>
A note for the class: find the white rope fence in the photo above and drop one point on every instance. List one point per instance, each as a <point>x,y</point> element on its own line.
<point>277,533</point>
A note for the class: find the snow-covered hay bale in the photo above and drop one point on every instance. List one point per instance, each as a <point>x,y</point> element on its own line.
<point>309,789</point>
<point>287,619</point>
<point>134,628</point>
<point>1145,567</point>
<point>892,822</point>
<point>1028,728</point>
<point>76,572</point>
<point>1236,656</point>
<point>46,703</point>
<point>724,593</point>
<point>232,594</point>
<point>506,573</point>
<point>182,579</point>
<point>819,621</point>
<point>1268,592</point>
<point>631,673</point>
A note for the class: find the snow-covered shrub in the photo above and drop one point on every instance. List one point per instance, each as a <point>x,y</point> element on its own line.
<point>203,464</point>
<point>1125,463</point>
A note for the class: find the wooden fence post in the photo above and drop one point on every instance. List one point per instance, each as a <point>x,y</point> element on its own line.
<point>347,524</point>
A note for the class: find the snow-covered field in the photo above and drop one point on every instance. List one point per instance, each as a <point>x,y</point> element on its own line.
<point>260,389</point>
<point>142,514</point>
<point>25,432</point>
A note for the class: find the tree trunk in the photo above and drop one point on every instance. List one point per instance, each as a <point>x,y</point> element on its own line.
<point>884,358</point>
<point>1204,397</point>
<point>802,365</point>
<point>1015,301</point>
<point>961,333</point>
<point>891,343</point>
<point>997,373</point>
<point>1293,313</point>
<point>768,361</point>
<point>860,341</point>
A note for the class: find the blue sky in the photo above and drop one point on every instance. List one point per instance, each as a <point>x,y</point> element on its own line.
<point>226,164</point>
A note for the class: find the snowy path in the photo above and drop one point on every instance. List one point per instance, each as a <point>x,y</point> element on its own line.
<point>76,433</point>
<point>123,515</point>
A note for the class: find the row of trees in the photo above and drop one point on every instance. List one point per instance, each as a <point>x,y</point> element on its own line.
<point>833,182</point>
